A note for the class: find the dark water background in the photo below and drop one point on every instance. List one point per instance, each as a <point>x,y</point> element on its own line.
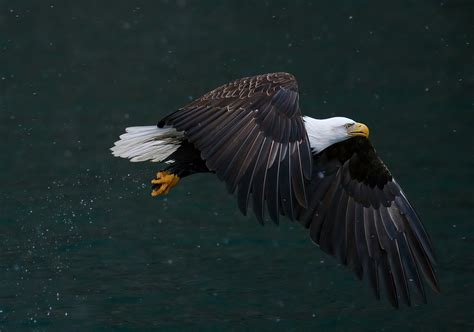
<point>82,244</point>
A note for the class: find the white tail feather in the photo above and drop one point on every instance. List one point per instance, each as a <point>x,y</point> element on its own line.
<point>147,143</point>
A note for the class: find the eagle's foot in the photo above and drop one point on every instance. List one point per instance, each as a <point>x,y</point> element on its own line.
<point>163,183</point>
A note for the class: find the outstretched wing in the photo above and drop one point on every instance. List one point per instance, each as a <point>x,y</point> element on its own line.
<point>251,133</point>
<point>358,213</point>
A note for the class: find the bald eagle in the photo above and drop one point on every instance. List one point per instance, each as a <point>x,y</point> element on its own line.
<point>323,173</point>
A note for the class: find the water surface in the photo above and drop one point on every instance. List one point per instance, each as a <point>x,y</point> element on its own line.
<point>84,246</point>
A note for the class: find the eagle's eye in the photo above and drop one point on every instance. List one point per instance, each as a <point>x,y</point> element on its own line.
<point>347,125</point>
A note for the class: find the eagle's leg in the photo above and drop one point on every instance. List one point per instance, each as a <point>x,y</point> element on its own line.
<point>163,183</point>
<point>185,161</point>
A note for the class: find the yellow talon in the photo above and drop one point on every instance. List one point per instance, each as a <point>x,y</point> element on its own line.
<point>163,183</point>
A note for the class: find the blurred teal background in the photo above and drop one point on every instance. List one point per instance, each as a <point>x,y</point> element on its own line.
<point>83,246</point>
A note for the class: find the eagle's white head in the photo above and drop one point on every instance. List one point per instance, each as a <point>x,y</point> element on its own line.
<point>326,132</point>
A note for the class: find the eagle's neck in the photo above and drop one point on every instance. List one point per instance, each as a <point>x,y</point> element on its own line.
<point>323,133</point>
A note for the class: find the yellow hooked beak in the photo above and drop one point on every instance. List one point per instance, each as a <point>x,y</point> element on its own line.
<point>358,129</point>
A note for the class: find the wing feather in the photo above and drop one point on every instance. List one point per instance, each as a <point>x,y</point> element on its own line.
<point>358,213</point>
<point>264,109</point>
<point>273,186</point>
